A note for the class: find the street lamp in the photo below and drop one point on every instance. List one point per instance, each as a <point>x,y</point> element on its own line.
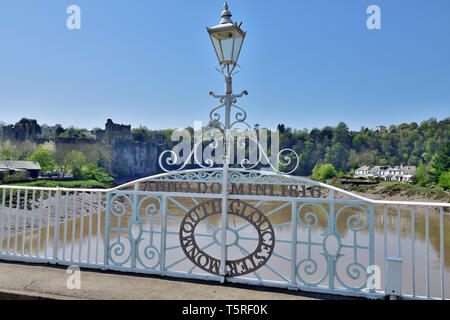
<point>227,39</point>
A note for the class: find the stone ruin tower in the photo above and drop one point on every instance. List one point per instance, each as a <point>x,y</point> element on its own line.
<point>116,132</point>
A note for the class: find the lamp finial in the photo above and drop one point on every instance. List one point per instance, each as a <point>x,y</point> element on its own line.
<point>226,15</point>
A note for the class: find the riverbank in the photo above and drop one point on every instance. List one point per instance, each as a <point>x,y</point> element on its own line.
<point>82,184</point>
<point>391,191</point>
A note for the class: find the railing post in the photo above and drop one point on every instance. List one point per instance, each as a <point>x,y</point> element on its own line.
<point>224,224</point>
<point>385,226</point>
<point>413,254</point>
<point>331,262</point>
<point>3,218</point>
<point>56,228</point>
<point>24,222</point>
<point>106,244</point>
<point>163,233</point>
<point>16,225</point>
<point>294,244</point>
<point>134,217</point>
<point>33,199</point>
<point>372,239</point>
<point>441,233</point>
<point>394,277</point>
<point>9,221</point>
<point>427,244</point>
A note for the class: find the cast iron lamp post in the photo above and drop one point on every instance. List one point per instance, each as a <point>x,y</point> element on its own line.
<point>227,39</point>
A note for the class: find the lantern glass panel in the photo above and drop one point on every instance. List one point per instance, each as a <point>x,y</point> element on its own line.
<point>237,46</point>
<point>227,49</point>
<point>217,48</point>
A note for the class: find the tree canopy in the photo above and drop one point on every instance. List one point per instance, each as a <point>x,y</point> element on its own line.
<point>407,144</point>
<point>45,158</point>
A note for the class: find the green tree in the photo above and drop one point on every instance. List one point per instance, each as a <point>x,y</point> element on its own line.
<point>75,160</point>
<point>342,135</point>
<point>281,127</point>
<point>441,161</point>
<point>444,180</point>
<point>60,158</point>
<point>359,141</point>
<point>426,156</point>
<point>422,174</point>
<point>140,134</point>
<point>337,155</point>
<point>9,152</point>
<point>431,145</point>
<point>45,158</point>
<point>413,161</point>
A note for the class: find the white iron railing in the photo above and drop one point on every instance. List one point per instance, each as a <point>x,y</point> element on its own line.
<point>84,226</point>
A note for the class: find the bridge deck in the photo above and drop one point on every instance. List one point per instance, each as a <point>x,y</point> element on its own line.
<point>25,281</point>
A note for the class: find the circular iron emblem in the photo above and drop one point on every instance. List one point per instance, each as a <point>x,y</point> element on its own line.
<point>245,265</point>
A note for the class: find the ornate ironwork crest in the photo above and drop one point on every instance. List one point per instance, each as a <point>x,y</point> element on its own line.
<point>244,210</point>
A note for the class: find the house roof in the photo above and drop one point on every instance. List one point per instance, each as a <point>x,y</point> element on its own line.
<point>364,168</point>
<point>409,169</point>
<point>380,168</point>
<point>19,165</point>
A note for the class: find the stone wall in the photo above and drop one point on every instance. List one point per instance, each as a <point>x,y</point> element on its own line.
<point>115,132</point>
<point>25,129</point>
<point>74,141</point>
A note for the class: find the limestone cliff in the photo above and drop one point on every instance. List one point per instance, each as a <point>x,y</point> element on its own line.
<point>130,159</point>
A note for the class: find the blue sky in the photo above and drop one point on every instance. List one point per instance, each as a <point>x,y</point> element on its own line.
<point>305,63</point>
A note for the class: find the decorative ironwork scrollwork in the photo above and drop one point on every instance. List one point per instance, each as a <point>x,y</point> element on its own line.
<point>333,254</point>
<point>137,246</point>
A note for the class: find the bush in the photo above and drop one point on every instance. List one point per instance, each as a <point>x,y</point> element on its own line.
<point>93,172</point>
<point>342,173</point>
<point>444,180</point>
<point>5,177</point>
<point>323,172</point>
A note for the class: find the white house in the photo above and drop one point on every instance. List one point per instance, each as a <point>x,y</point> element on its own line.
<point>363,171</point>
<point>402,173</point>
<point>380,129</point>
<point>398,173</point>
